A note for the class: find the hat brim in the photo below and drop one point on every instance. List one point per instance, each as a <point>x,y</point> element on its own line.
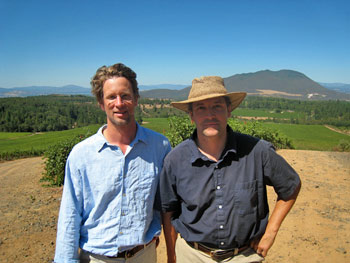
<point>236,99</point>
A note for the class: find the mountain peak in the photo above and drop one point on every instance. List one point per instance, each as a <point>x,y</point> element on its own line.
<point>282,83</point>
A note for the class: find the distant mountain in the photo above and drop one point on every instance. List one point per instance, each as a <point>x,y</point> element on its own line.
<point>283,83</point>
<point>340,87</point>
<point>162,86</point>
<point>166,93</point>
<point>44,90</point>
<point>72,90</point>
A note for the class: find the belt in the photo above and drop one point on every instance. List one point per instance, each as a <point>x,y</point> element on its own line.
<point>217,254</point>
<point>131,252</point>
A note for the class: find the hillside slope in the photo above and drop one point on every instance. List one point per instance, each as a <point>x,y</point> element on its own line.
<point>283,83</point>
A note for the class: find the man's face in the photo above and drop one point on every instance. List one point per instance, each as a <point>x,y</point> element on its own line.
<point>210,116</point>
<point>119,101</point>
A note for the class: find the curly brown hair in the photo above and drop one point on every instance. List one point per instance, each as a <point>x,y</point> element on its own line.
<point>104,73</point>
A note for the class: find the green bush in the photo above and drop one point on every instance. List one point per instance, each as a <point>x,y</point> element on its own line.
<point>254,128</point>
<point>181,129</point>
<point>343,146</point>
<point>56,157</point>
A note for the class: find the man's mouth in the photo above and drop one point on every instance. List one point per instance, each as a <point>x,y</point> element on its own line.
<point>214,123</point>
<point>119,113</point>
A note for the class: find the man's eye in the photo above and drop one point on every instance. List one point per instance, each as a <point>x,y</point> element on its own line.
<point>219,106</point>
<point>126,97</point>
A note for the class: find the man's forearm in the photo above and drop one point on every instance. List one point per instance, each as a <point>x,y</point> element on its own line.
<point>170,236</point>
<point>279,213</point>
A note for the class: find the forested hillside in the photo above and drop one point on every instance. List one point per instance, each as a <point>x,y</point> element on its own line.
<point>61,112</point>
<point>57,112</point>
<point>48,113</point>
<point>330,112</point>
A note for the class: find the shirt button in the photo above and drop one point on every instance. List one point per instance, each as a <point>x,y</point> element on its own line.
<point>222,243</point>
<point>221,227</point>
<point>220,206</point>
<point>121,233</point>
<point>123,214</point>
<point>218,187</point>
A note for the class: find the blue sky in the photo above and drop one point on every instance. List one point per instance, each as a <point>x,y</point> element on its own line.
<point>63,42</point>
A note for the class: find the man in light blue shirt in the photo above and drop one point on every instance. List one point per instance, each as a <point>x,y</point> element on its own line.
<point>110,209</point>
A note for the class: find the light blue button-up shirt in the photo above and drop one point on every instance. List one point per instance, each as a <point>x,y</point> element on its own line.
<point>109,198</point>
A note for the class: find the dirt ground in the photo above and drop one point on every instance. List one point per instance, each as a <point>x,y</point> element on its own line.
<point>316,230</point>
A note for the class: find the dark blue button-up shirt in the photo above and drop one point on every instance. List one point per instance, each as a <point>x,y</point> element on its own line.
<point>223,204</point>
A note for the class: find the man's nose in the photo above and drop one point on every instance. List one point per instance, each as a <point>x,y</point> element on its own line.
<point>211,112</point>
<point>119,101</point>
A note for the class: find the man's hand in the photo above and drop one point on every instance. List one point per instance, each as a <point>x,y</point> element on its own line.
<point>262,246</point>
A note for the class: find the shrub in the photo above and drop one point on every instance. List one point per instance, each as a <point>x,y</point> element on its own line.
<point>181,129</point>
<point>343,146</point>
<point>56,157</point>
<point>254,128</point>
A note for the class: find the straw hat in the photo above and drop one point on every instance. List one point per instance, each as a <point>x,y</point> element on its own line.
<point>206,88</point>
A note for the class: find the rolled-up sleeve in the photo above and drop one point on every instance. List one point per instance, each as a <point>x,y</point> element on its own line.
<point>167,148</point>
<point>279,174</point>
<point>168,192</point>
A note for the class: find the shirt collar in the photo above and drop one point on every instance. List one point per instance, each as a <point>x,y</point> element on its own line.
<point>231,146</point>
<point>140,135</point>
<point>101,141</point>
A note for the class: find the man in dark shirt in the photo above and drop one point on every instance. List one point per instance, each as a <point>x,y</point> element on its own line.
<point>213,185</point>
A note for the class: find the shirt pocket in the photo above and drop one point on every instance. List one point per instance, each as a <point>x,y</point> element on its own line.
<point>246,197</point>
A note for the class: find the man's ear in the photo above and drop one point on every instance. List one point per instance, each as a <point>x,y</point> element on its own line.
<point>102,107</point>
<point>229,110</point>
<point>190,114</point>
